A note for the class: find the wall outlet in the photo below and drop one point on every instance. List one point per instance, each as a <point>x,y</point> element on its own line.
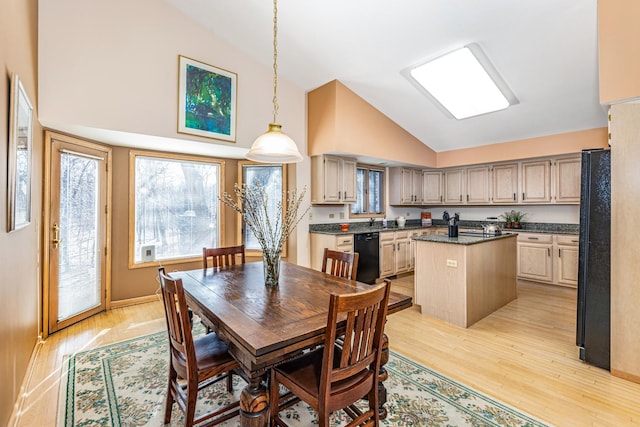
<point>452,263</point>
<point>310,216</point>
<point>408,214</point>
<point>341,215</point>
<point>331,215</point>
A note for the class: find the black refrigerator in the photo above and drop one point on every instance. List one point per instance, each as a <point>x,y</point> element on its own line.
<point>594,264</point>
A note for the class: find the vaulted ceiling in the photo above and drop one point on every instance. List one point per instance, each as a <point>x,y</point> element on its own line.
<point>545,50</point>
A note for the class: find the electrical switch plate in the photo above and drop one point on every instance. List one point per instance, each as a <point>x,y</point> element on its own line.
<point>341,215</point>
<point>148,253</point>
<point>452,263</point>
<point>310,216</point>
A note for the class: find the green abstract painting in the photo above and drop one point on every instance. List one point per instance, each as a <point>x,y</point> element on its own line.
<point>207,105</point>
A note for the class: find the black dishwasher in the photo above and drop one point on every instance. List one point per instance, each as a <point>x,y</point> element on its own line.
<point>366,245</point>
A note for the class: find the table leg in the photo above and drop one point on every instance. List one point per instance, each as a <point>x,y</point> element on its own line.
<point>383,375</point>
<point>254,404</point>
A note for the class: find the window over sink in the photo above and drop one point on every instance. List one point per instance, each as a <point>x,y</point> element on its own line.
<point>369,192</point>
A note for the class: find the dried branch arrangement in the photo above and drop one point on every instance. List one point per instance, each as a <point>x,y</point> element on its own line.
<point>252,203</point>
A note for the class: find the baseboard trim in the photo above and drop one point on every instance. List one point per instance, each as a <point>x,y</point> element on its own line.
<point>14,418</point>
<point>134,301</point>
<point>625,376</point>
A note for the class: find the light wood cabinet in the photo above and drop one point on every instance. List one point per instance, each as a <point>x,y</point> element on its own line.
<point>548,258</point>
<point>505,184</point>
<point>395,253</point>
<point>478,185</point>
<point>319,241</point>
<point>403,252</point>
<point>387,254</point>
<point>333,180</point>
<point>536,181</point>
<point>453,186</point>
<point>405,186</point>
<point>534,256</point>
<point>566,251</point>
<point>567,180</point>
<point>431,187</point>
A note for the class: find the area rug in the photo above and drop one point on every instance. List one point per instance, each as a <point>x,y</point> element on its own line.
<point>124,384</point>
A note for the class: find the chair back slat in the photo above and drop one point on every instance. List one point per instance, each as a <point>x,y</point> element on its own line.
<point>222,257</point>
<point>340,264</point>
<point>361,347</point>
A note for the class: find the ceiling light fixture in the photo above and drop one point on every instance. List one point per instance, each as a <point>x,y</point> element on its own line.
<point>463,83</point>
<point>274,146</point>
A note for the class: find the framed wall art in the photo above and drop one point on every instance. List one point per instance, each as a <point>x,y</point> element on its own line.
<point>207,100</point>
<point>19,167</point>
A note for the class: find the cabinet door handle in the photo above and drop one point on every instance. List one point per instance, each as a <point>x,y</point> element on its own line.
<point>559,255</point>
<point>575,241</point>
<point>532,238</point>
<point>467,197</point>
<point>548,251</point>
<point>514,196</point>
<point>461,197</point>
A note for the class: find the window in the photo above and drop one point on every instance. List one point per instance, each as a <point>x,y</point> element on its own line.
<point>272,177</point>
<point>176,210</point>
<point>369,192</point>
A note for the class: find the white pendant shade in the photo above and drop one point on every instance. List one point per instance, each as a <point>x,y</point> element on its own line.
<point>274,147</point>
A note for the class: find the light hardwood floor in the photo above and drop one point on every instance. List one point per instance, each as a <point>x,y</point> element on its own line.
<point>524,355</point>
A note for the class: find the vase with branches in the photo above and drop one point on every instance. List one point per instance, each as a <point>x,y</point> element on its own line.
<point>271,230</point>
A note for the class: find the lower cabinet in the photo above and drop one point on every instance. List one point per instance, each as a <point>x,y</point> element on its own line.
<point>395,253</point>
<point>566,255</point>
<point>534,256</point>
<point>548,258</point>
<point>342,243</point>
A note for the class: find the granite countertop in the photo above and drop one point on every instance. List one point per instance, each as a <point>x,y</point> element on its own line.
<point>461,239</point>
<point>364,227</point>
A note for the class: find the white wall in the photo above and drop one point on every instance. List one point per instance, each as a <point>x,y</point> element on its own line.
<point>113,65</point>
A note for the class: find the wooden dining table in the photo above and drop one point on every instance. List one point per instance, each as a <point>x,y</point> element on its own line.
<point>264,326</point>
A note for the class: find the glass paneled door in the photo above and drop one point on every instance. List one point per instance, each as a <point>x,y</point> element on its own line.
<point>77,232</point>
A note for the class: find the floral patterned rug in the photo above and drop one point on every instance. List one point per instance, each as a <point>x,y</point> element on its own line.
<point>124,384</point>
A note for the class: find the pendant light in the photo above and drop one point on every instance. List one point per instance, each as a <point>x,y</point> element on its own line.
<point>274,146</point>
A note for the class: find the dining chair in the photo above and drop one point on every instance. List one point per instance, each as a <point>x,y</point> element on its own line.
<point>195,363</point>
<point>343,264</point>
<point>222,257</point>
<point>337,375</point>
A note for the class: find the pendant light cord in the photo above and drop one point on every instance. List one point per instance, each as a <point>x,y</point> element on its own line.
<point>275,61</point>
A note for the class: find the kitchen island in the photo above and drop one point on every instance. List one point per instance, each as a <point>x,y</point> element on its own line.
<point>463,279</point>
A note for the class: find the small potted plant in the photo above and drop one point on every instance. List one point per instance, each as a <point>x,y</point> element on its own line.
<point>507,219</point>
<point>516,218</point>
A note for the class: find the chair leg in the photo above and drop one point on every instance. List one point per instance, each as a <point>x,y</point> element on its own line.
<point>192,398</point>
<point>230,382</point>
<point>169,400</point>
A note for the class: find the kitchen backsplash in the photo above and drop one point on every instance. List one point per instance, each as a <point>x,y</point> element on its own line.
<point>553,214</point>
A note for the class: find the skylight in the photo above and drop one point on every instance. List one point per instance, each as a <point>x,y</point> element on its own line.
<point>462,85</point>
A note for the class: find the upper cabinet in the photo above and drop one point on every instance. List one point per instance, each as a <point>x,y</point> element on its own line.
<point>478,187</point>
<point>405,186</point>
<point>504,182</point>
<point>567,180</point>
<point>536,181</point>
<point>431,187</point>
<point>454,186</point>
<point>333,180</point>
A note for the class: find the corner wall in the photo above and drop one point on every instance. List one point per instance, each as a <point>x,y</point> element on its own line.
<point>19,250</point>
